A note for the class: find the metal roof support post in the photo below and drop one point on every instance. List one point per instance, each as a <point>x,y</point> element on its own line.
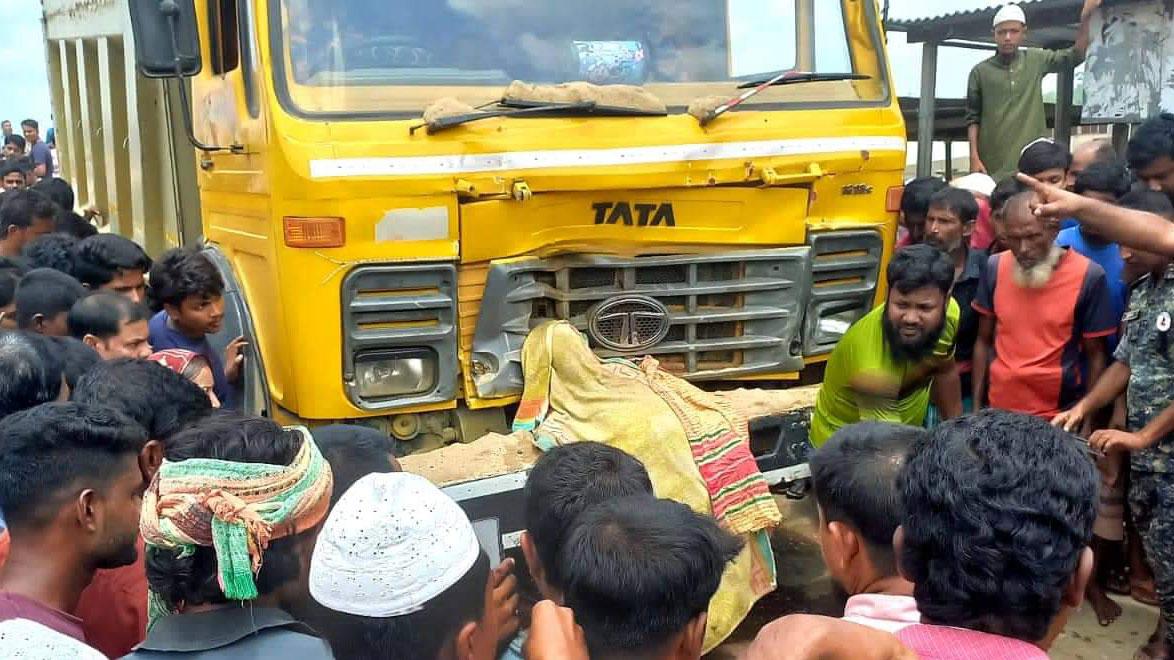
<point>1065,83</point>
<point>925,109</point>
<point>1120,137</point>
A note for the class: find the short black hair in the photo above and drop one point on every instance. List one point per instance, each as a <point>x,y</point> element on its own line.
<point>76,358</point>
<point>1044,155</point>
<point>918,192</point>
<point>31,372</point>
<point>353,453</point>
<point>48,292</point>
<point>1150,141</point>
<point>51,251</point>
<point>957,201</point>
<point>1004,191</point>
<point>31,123</point>
<point>1108,178</point>
<point>58,190</point>
<point>184,272</point>
<point>421,634</point>
<point>100,258</point>
<point>855,481</point>
<point>102,314</point>
<point>16,140</point>
<point>51,452</point>
<point>191,578</point>
<point>158,399</point>
<point>917,266</point>
<point>19,165</point>
<point>564,482</point>
<point>8,281</point>
<point>639,569</point>
<point>20,208</point>
<point>999,507</point>
<point>1148,201</point>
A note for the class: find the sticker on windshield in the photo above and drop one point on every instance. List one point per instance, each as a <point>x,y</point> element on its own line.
<point>611,62</point>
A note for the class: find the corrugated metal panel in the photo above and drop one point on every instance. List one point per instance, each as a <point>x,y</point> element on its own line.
<point>970,9</point>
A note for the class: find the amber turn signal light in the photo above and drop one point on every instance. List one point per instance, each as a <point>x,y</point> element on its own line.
<point>314,232</point>
<point>893,198</point>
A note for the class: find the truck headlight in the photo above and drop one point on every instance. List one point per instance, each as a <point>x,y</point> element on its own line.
<point>386,374</point>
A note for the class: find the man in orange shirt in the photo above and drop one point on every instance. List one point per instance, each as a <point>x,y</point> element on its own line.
<point>1044,309</point>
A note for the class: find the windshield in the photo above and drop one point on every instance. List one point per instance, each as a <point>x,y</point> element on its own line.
<point>397,56</point>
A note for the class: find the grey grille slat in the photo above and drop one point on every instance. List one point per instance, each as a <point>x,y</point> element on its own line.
<point>717,288</point>
<point>580,321</point>
<point>400,303</point>
<point>705,345</point>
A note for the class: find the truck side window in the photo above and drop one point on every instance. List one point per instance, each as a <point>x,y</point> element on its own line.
<point>248,33</point>
<point>224,36</point>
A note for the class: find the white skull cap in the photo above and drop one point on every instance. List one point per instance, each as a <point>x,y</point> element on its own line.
<point>22,639</point>
<point>392,543</point>
<point>976,182</point>
<point>1010,13</point>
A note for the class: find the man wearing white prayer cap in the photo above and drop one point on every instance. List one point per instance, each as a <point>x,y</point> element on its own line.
<point>1004,102</point>
<point>29,640</point>
<point>399,563</point>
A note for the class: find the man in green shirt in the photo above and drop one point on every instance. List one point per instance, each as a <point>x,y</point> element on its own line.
<point>1004,102</point>
<point>897,357</point>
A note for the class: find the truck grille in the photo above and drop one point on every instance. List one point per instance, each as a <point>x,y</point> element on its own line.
<point>845,267</point>
<point>727,315</point>
<point>401,307</point>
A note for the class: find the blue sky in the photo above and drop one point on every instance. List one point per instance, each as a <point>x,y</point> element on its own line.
<point>26,89</point>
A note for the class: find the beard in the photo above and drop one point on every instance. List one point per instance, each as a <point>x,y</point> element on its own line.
<point>948,248</point>
<point>1038,275</point>
<point>903,349</point>
<point>119,553</point>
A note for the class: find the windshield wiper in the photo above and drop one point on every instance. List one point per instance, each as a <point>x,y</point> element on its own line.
<point>514,108</point>
<point>754,87</point>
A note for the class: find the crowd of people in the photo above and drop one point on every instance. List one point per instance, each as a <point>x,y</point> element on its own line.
<point>1043,316</point>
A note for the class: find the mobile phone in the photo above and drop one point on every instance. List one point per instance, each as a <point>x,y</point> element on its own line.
<point>488,531</point>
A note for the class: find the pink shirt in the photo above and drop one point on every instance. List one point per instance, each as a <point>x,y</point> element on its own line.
<point>882,611</point>
<point>946,643</point>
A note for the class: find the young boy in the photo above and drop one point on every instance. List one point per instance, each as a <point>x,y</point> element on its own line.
<point>855,479</point>
<point>1049,162</point>
<point>24,215</point>
<point>639,573</point>
<point>113,325</point>
<point>1106,182</point>
<point>43,300</point>
<point>914,206</point>
<point>11,271</point>
<point>564,482</point>
<point>191,292</point>
<point>1144,370</point>
<point>109,262</point>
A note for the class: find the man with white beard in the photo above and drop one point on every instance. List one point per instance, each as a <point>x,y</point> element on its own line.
<point>1043,309</point>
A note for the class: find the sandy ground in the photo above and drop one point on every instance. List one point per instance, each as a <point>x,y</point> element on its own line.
<point>805,587</point>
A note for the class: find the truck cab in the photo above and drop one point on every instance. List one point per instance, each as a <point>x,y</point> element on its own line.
<point>390,274</point>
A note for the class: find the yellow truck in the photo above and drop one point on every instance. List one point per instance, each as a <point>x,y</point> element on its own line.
<point>389,271</point>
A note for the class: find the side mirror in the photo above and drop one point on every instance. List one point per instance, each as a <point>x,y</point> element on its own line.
<point>167,40</point>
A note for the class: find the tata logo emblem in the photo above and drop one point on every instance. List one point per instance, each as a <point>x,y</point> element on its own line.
<point>639,215</point>
<point>628,324</point>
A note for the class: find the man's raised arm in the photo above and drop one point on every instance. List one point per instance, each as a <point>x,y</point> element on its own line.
<point>1135,229</point>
